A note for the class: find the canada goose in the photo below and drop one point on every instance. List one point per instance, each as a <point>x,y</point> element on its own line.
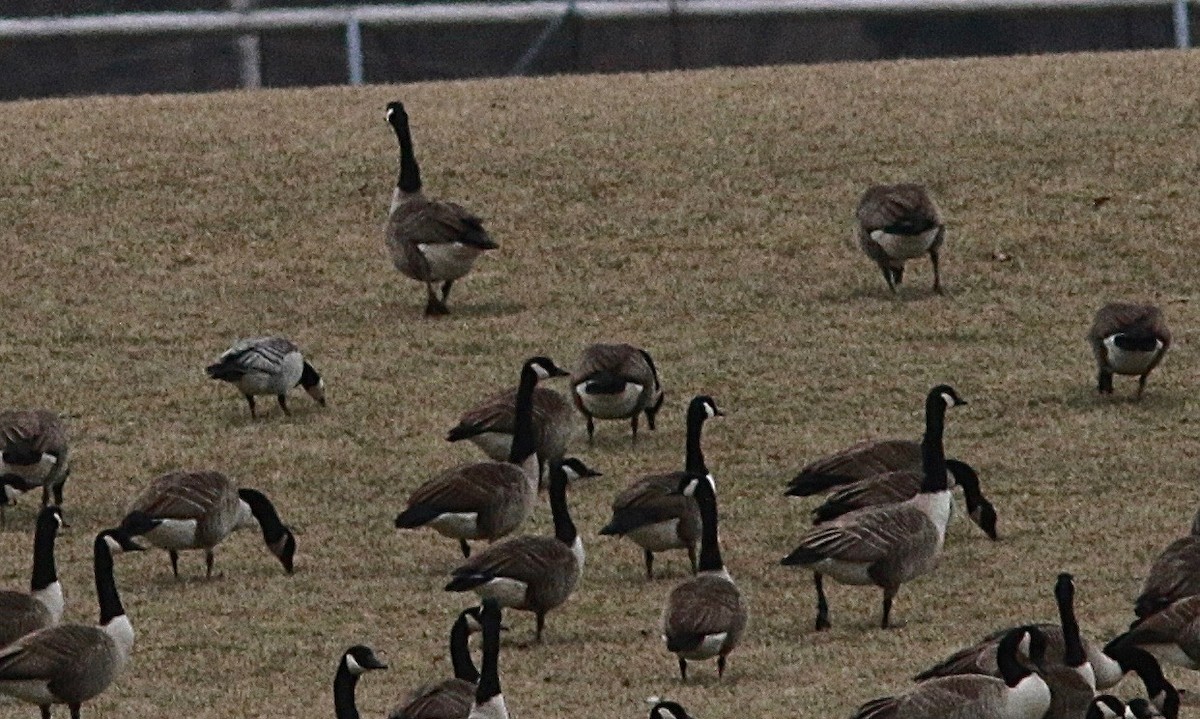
<point>891,487</point>
<point>72,663</point>
<point>489,702</point>
<point>356,661</point>
<point>34,454</point>
<point>1020,693</point>
<point>489,425</point>
<point>1174,574</point>
<point>705,615</point>
<point>429,240</point>
<point>533,574</point>
<point>486,500</point>
<point>890,544</point>
<point>1106,706</point>
<point>652,512</point>
<point>897,223</point>
<point>198,510</point>
<point>1171,635</point>
<point>42,607</point>
<point>1072,681</point>
<point>668,710</point>
<point>452,698</point>
<point>1128,338</point>
<point>615,381</point>
<point>859,461</point>
<point>264,366</point>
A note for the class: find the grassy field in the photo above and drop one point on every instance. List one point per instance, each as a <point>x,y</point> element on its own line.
<point>703,215</point>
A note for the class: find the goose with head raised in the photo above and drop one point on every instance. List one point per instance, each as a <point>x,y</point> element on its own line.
<point>21,612</point>
<point>356,661</point>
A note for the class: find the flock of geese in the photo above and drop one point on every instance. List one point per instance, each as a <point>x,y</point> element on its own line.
<point>882,523</point>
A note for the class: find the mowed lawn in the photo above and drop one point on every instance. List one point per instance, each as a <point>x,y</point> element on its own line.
<point>705,216</point>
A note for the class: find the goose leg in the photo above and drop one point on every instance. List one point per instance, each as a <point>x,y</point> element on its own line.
<point>887,277</point>
<point>651,416</point>
<point>720,666</point>
<point>466,548</point>
<point>253,411</point>
<point>208,563</point>
<point>446,289</point>
<point>1142,384</point>
<point>898,275</point>
<point>45,496</point>
<point>45,711</point>
<point>174,562</point>
<point>937,275</point>
<point>649,563</point>
<point>822,604</point>
<point>283,404</point>
<point>58,488</point>
<point>75,710</point>
<point>692,556</point>
<point>683,670</point>
<point>633,423</point>
<point>541,624</point>
<point>591,427</point>
<point>433,306</point>
<point>888,594</point>
<point>1104,383</point>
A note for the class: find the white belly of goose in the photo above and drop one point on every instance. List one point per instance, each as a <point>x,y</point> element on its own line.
<point>34,691</point>
<point>494,444</point>
<point>905,247</point>
<point>1129,362</point>
<point>657,537</point>
<point>853,573</point>
<point>31,473</point>
<point>173,534</point>
<point>610,406</point>
<point>449,260</point>
<point>52,599</point>
<point>708,648</point>
<point>1029,698</point>
<point>458,525</point>
<point>508,592</point>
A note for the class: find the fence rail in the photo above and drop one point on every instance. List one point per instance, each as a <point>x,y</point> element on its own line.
<point>353,18</point>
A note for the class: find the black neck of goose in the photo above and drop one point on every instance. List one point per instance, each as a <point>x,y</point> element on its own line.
<point>1012,671</point>
<point>489,678</point>
<point>1073,654</point>
<point>710,545</point>
<point>1158,688</point>
<point>45,571</point>
<point>343,693</point>
<point>410,173</point>
<point>933,454</point>
<point>1196,525</point>
<point>460,651</point>
<point>309,376</point>
<point>524,443</point>
<point>564,527</point>
<point>968,480</point>
<point>263,511</point>
<point>106,584</point>
<point>693,461</point>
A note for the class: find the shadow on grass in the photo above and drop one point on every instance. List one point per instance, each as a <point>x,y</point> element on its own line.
<point>881,295</point>
<point>1087,399</point>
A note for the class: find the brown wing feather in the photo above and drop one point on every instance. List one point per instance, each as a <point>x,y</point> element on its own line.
<point>1125,316</point>
<point>50,652</point>
<point>1174,575</point>
<point>1168,626</point>
<point>184,495</point>
<point>35,429</point>
<point>526,559</point>
<point>498,412</point>
<point>621,359</point>
<point>886,488</point>
<point>860,461</point>
<point>468,487</point>
<point>868,535</point>
<point>20,614</point>
<point>884,205</point>
<point>704,605</point>
<point>450,699</point>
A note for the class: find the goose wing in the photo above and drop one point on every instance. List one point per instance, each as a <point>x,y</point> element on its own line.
<point>858,461</point>
<point>432,222</point>
<point>903,208</point>
<point>649,500</point>
<point>1174,575</point>
<point>184,495</point>
<point>468,487</point>
<point>701,606</point>
<point>1176,624</point>
<point>622,360</point>
<point>37,430</point>
<point>526,559</point>
<point>20,614</point>
<point>1117,317</point>
<point>886,488</point>
<point>257,354</point>
<point>450,699</point>
<point>498,413</point>
<point>51,653</point>
<point>958,697</point>
<point>865,536</point>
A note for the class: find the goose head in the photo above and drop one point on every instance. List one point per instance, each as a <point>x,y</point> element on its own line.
<point>946,394</point>
<point>119,540</point>
<point>360,659</point>
<point>284,550</point>
<point>545,368</point>
<point>396,114</point>
<point>668,710</point>
<point>312,383</point>
<point>575,469</point>
<point>1106,706</point>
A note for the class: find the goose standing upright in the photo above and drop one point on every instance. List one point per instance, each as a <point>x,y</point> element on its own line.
<point>616,381</point>
<point>534,574</point>
<point>1072,681</point>
<point>1128,338</point>
<point>451,698</point>
<point>489,701</point>
<point>73,663</point>
<point>1020,693</point>
<point>356,661</point>
<point>429,240</point>
<point>652,512</point>
<point>42,607</point>
<point>1174,574</point>
<point>34,454</point>
<point>705,616</point>
<point>199,510</point>
<point>897,223</point>
<point>486,500</point>
<point>267,366</point>
<point>890,544</point>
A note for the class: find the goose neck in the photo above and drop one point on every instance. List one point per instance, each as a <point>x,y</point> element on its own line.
<point>489,678</point>
<point>264,514</point>
<point>460,651</point>
<point>344,683</point>
<point>693,461</point>
<point>1073,654</point>
<point>1012,671</point>
<point>409,181</point>
<point>564,527</point>
<point>710,545</point>
<point>524,442</point>
<point>45,571</point>
<point>933,453</point>
<point>106,584</point>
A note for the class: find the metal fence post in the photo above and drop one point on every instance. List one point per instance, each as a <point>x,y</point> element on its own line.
<point>1183,30</point>
<point>249,51</point>
<point>354,49</point>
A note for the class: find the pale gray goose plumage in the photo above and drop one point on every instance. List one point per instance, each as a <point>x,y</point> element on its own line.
<point>897,223</point>
<point>267,366</point>
<point>429,240</point>
<point>1128,338</point>
<point>184,510</point>
<point>652,513</point>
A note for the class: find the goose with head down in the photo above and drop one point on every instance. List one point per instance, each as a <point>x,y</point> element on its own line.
<point>267,366</point>
<point>34,454</point>
<point>897,223</point>
<point>616,381</point>
<point>1128,338</point>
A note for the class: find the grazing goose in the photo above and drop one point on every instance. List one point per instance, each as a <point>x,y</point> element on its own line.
<point>892,487</point>
<point>34,454</point>
<point>1163,696</point>
<point>616,381</point>
<point>897,223</point>
<point>1173,575</point>
<point>489,702</point>
<point>668,710</point>
<point>890,544</point>
<point>1020,693</point>
<point>266,366</point>
<point>356,661</point>
<point>652,512</point>
<point>452,698</point>
<point>42,607</point>
<point>705,615</point>
<point>1106,706</point>
<point>486,500</point>
<point>489,425</point>
<point>1171,635</point>
<point>1128,338</point>
<point>533,574</point>
<point>429,240</point>
<point>198,510</point>
<point>73,663</point>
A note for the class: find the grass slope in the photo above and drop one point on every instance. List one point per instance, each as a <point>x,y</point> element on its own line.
<point>703,215</point>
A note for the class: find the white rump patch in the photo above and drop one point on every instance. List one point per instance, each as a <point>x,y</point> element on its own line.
<point>1029,698</point>
<point>449,260</point>
<point>905,247</point>
<point>173,534</point>
<point>458,525</point>
<point>1129,362</point>
<point>657,537</point>
<point>610,406</point>
<point>708,648</point>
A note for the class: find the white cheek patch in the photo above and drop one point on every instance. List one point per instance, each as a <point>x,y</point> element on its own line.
<point>541,371</point>
<point>113,544</point>
<point>666,713</point>
<point>690,489</point>
<point>355,668</point>
<point>710,410</point>
<point>948,399</point>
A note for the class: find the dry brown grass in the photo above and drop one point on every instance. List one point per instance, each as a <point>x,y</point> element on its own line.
<point>703,215</point>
